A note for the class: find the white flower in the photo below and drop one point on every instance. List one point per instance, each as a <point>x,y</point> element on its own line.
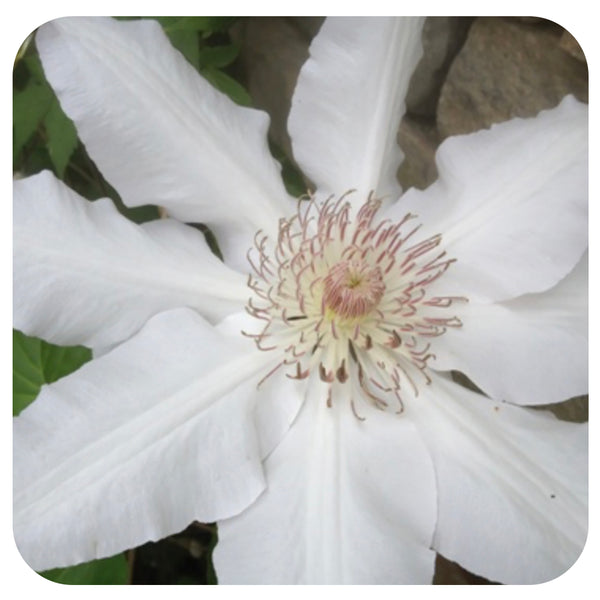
<point>357,457</point>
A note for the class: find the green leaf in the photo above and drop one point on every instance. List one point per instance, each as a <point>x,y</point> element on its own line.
<point>34,65</point>
<point>23,49</point>
<point>218,56</point>
<point>36,362</point>
<point>28,374</point>
<point>62,137</point>
<point>203,24</point>
<point>139,214</point>
<point>29,108</point>
<point>292,177</point>
<point>187,42</point>
<point>227,85</point>
<point>58,361</point>
<point>37,105</point>
<point>107,571</point>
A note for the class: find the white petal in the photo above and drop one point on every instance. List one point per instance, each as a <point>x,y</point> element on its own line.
<point>347,501</point>
<point>158,131</point>
<point>512,485</point>
<point>348,103</point>
<point>84,274</point>
<point>530,350</point>
<point>137,444</point>
<point>280,397</point>
<point>511,204</point>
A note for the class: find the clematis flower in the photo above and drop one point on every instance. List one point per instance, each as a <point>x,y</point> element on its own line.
<point>299,393</point>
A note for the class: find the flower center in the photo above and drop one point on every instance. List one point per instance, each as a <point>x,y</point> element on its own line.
<point>350,299</point>
<point>353,288</point>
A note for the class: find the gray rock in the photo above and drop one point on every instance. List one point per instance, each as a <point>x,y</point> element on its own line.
<point>273,51</point>
<point>443,37</point>
<point>508,68</point>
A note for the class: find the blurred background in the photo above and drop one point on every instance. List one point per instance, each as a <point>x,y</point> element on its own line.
<point>474,72</point>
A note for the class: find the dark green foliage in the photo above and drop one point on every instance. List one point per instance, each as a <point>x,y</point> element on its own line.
<point>36,362</point>
<point>106,571</point>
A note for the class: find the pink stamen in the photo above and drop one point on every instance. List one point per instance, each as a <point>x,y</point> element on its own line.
<point>355,290</point>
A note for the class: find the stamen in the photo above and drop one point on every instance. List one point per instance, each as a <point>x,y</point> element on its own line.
<point>349,299</point>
